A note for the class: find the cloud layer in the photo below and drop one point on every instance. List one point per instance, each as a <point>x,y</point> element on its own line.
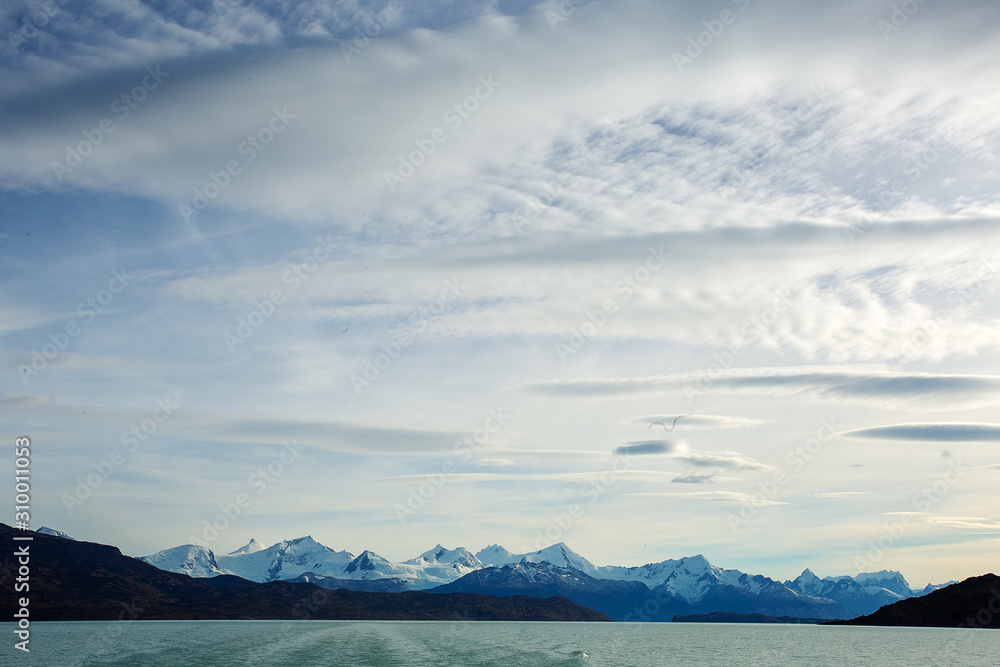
<point>534,251</point>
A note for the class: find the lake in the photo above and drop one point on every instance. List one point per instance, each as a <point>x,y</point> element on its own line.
<point>315,643</point>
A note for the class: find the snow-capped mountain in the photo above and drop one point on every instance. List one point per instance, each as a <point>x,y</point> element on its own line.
<point>685,585</point>
<point>558,554</point>
<point>687,577</point>
<point>441,556</point>
<point>620,600</point>
<point>190,559</point>
<point>496,555</point>
<point>285,560</point>
<point>55,533</point>
<point>862,594</point>
<point>387,585</point>
<point>431,568</point>
<point>885,579</point>
<point>290,559</point>
<point>369,565</point>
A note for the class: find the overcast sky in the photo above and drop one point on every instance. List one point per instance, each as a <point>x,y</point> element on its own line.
<point>690,277</point>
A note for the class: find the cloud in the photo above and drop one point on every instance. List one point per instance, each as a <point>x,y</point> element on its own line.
<point>592,153</point>
<point>931,432</point>
<point>692,421</point>
<point>691,478</point>
<point>646,448</point>
<point>683,451</point>
<point>585,477</point>
<point>840,494</point>
<point>23,401</point>
<point>717,497</point>
<point>898,388</point>
<point>494,463</point>
<point>968,523</point>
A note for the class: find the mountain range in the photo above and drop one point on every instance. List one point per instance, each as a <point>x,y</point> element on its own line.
<point>73,581</point>
<point>651,592</point>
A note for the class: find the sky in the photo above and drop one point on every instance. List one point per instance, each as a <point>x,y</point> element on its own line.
<point>654,279</point>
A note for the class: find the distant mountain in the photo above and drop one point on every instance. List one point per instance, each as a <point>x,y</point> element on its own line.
<point>191,559</point>
<point>55,533</point>
<point>289,559</point>
<point>495,554</point>
<point>557,554</point>
<point>73,580</point>
<point>285,560</point>
<point>726,617</point>
<point>862,594</point>
<point>387,585</point>
<point>973,603</point>
<point>441,556</point>
<point>618,599</point>
<point>685,585</point>
<point>930,588</point>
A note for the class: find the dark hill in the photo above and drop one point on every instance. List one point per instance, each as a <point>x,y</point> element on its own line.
<point>71,580</point>
<point>973,603</point>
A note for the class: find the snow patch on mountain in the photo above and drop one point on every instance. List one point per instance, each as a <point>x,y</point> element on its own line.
<point>193,560</point>
<point>55,533</point>
<point>495,554</point>
<point>253,546</point>
<point>558,554</point>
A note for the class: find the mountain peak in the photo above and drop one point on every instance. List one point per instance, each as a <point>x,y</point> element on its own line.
<point>495,554</point>
<point>698,562</point>
<point>253,546</point>
<point>44,530</point>
<point>193,560</point>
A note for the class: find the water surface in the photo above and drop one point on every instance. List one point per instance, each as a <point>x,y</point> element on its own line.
<point>379,643</point>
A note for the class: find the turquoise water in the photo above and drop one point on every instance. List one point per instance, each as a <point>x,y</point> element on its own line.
<point>316,643</point>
